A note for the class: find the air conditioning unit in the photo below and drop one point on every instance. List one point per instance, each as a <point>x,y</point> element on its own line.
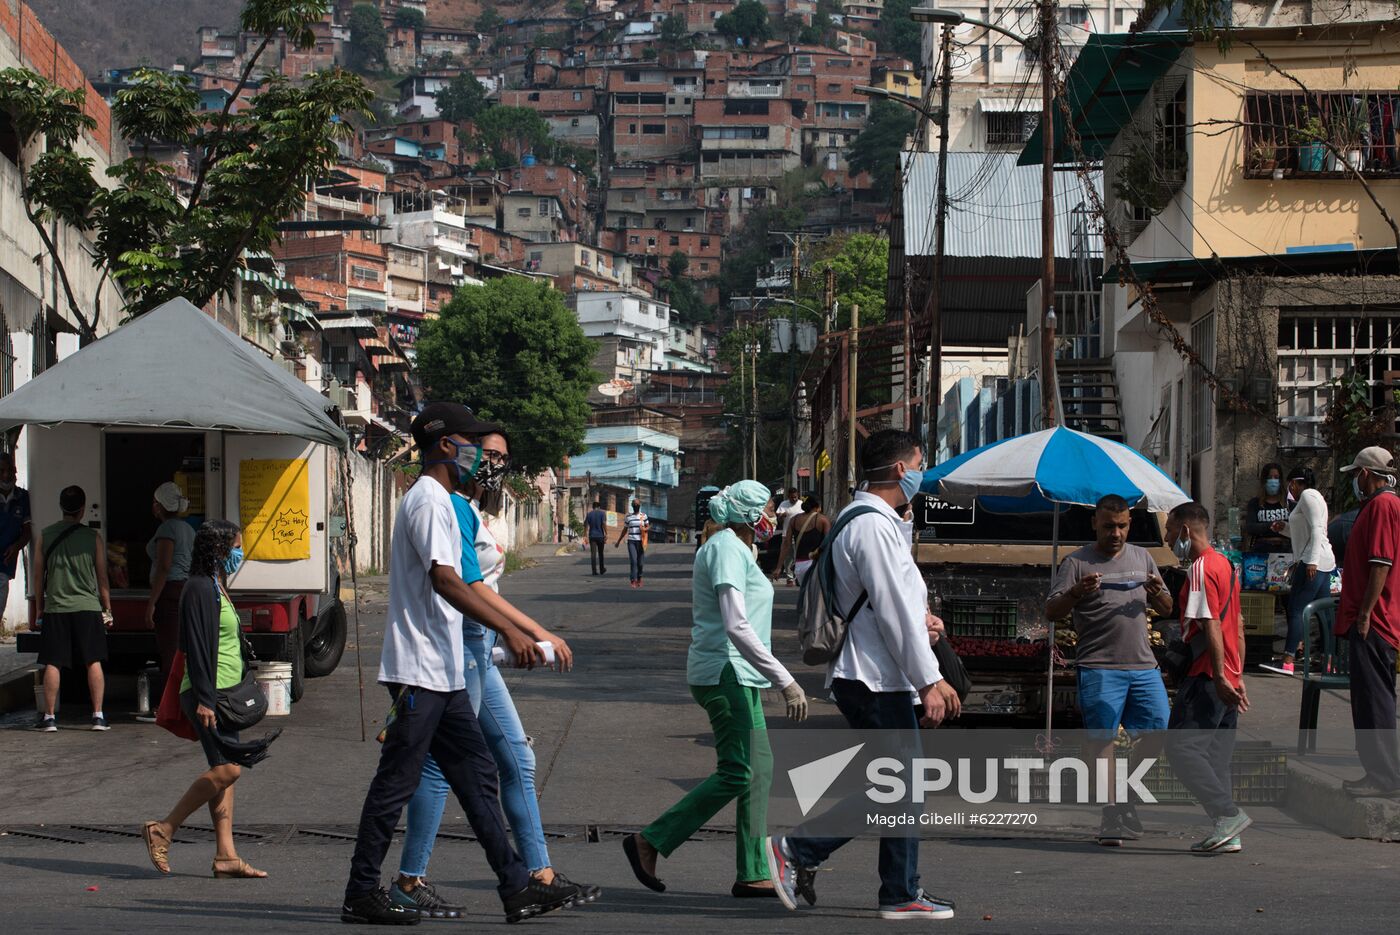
<point>290,366</point>
<point>344,398</point>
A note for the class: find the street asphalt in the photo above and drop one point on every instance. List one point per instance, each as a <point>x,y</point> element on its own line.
<point>617,741</point>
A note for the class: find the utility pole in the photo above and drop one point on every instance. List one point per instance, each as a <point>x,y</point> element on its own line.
<point>829,300</point>
<point>744,403</point>
<point>851,399</point>
<point>753,436</point>
<point>1047,213</point>
<point>935,299</point>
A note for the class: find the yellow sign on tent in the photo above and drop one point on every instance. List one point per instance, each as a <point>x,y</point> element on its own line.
<point>274,506</point>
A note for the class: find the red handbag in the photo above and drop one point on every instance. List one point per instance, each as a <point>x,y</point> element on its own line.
<point>169,715</point>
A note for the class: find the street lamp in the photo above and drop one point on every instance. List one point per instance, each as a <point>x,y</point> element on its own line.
<point>913,103</point>
<point>1043,49</point>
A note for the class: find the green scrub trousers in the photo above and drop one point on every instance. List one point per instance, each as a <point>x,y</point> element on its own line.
<point>744,772</point>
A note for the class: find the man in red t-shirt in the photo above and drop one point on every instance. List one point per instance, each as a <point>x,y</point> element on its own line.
<point>1209,701</point>
<point>1370,615</point>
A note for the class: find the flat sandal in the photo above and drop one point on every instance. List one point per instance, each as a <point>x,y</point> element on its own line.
<point>157,846</point>
<point>236,868</point>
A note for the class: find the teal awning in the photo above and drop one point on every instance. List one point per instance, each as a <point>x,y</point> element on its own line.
<point>1110,78</point>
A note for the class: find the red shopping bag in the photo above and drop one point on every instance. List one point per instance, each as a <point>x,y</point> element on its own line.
<point>169,715</point>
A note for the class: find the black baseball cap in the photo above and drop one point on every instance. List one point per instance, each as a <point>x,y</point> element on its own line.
<point>439,419</point>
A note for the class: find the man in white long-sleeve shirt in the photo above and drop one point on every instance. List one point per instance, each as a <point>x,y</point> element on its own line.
<point>885,668</point>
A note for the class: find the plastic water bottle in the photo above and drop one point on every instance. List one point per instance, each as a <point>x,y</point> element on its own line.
<point>500,656</point>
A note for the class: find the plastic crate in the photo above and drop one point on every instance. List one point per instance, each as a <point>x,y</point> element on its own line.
<point>1258,609</point>
<point>982,617</point>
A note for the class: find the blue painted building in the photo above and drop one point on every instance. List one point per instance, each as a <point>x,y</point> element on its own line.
<point>640,457</point>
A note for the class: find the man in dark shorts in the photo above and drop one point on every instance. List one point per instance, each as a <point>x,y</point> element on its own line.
<point>70,566</point>
<point>597,523</point>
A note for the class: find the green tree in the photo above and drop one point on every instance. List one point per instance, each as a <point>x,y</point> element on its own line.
<point>576,7</point>
<point>861,263</point>
<point>489,21</point>
<point>514,352</point>
<point>674,32</point>
<point>510,132</point>
<point>407,16</point>
<point>748,21</point>
<point>251,168</point>
<point>876,149</point>
<point>368,39</point>
<point>898,33</point>
<point>462,99</point>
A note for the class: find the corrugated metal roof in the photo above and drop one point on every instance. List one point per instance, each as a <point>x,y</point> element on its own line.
<point>993,206</point>
<point>1009,105</point>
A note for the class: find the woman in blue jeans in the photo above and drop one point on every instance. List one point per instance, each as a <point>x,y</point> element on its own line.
<point>1313,562</point>
<point>483,561</point>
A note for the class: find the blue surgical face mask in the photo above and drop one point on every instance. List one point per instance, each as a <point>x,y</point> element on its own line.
<point>467,461</point>
<point>1356,489</point>
<point>233,562</point>
<point>910,483</point>
<point>1272,486</point>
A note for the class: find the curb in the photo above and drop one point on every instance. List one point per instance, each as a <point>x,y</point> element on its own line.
<point>17,689</point>
<point>1316,796</point>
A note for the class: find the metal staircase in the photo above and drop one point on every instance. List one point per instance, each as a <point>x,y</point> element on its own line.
<point>1089,397</point>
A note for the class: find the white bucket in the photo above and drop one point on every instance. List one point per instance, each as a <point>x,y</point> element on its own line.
<point>275,680</point>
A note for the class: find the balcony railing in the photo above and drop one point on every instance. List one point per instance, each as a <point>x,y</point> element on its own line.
<point>1321,135</point>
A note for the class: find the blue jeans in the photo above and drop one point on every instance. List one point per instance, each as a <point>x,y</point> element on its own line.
<point>635,554</point>
<point>1301,593</point>
<point>899,857</point>
<point>516,761</point>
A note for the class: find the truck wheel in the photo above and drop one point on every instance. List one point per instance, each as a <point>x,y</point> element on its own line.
<point>295,653</point>
<point>323,651</point>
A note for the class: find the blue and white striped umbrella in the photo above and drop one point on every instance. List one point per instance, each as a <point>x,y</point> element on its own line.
<point>1033,473</point>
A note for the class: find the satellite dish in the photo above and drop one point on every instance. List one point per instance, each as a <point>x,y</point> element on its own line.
<point>614,387</point>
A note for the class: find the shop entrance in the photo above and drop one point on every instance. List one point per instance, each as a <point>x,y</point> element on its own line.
<point>135,464</point>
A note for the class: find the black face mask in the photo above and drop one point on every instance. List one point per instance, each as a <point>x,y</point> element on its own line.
<point>490,476</point>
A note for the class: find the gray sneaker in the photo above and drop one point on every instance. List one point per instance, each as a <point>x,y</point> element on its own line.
<point>782,870</point>
<point>1232,846</point>
<point>1226,828</point>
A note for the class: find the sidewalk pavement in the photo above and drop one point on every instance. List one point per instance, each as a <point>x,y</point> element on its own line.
<point>616,742</point>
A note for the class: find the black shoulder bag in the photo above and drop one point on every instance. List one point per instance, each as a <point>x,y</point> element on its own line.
<point>1177,660</point>
<point>243,705</point>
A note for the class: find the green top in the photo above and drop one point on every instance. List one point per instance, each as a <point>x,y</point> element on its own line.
<point>70,570</point>
<point>726,561</point>
<point>230,670</point>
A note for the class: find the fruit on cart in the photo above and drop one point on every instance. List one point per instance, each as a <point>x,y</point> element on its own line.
<point>986,646</point>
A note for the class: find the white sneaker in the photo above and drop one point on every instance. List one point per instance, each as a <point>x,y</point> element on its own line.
<point>923,906</point>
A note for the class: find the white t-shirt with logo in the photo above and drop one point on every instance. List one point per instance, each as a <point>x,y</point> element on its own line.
<point>423,633</point>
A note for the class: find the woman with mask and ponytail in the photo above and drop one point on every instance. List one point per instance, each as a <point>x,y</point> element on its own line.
<point>483,561</point>
<point>1266,516</point>
<point>730,661</point>
<point>211,640</point>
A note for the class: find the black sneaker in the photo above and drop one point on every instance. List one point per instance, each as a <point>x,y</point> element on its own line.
<point>424,900</point>
<point>1111,830</point>
<point>538,898</point>
<point>1132,824</point>
<point>377,908</point>
<point>587,892</point>
<point>806,884</point>
<point>47,724</point>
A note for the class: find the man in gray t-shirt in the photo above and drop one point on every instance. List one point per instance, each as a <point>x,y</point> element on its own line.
<point>1106,588</point>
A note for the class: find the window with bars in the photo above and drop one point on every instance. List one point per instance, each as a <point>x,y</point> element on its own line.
<point>1318,347</point>
<point>1010,129</point>
<point>1310,135</point>
<point>1202,396</point>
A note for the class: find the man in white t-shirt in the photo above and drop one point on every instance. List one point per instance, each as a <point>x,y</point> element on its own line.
<point>423,667</point>
<point>789,509</point>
